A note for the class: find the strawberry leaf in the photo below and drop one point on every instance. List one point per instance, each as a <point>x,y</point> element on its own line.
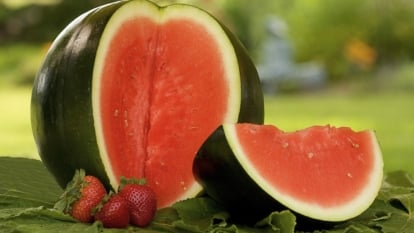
<point>71,193</point>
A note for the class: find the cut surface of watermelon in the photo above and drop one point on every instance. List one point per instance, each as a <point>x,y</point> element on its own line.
<point>323,172</point>
<point>162,81</point>
<point>133,89</point>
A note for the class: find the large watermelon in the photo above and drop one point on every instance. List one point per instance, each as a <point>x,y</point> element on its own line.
<point>133,89</point>
<point>322,172</point>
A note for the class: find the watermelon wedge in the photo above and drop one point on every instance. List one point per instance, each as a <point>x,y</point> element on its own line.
<point>133,89</point>
<point>322,172</point>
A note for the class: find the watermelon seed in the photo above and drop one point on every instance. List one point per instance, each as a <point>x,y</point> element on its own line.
<point>253,130</point>
<point>171,93</point>
<point>349,175</point>
<point>116,113</point>
<point>354,145</point>
<point>285,145</point>
<point>162,66</point>
<point>310,155</point>
<point>183,184</point>
<point>194,127</point>
<point>126,118</point>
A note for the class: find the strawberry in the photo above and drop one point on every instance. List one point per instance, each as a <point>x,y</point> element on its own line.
<point>141,201</point>
<point>113,212</point>
<point>82,194</point>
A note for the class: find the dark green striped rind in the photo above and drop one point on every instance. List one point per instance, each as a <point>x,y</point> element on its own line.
<point>223,178</point>
<point>251,103</point>
<point>61,105</point>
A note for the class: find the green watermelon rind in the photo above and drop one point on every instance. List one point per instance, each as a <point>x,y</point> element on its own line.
<point>61,107</point>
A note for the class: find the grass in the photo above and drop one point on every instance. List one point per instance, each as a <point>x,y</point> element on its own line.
<point>18,65</point>
<point>19,62</point>
<point>21,3</point>
<point>15,131</point>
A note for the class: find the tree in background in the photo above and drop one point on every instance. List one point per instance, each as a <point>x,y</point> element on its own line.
<point>346,36</point>
<point>39,23</point>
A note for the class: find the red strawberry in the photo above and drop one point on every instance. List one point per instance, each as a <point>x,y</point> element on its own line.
<point>141,201</point>
<point>81,195</point>
<point>114,212</point>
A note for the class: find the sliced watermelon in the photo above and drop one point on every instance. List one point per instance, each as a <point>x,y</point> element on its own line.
<point>322,172</point>
<point>133,89</point>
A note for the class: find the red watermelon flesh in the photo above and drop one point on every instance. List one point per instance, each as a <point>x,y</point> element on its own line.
<point>163,90</point>
<point>323,158</point>
<point>319,170</point>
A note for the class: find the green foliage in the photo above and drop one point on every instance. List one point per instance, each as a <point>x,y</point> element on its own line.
<point>322,30</point>
<point>248,20</point>
<point>403,80</point>
<point>25,206</point>
<point>19,63</point>
<point>15,131</point>
<point>26,183</point>
<point>386,26</point>
<point>40,23</point>
<point>392,29</point>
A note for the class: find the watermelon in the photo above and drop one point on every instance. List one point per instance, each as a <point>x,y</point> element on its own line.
<point>324,173</point>
<point>133,89</point>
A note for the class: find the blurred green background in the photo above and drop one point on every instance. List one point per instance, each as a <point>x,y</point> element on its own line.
<point>363,51</point>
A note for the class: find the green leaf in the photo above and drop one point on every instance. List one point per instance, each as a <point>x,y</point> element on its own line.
<point>354,228</point>
<point>26,183</point>
<point>398,179</point>
<point>40,219</point>
<point>280,222</point>
<point>28,192</point>
<point>398,193</point>
<point>71,193</point>
<point>199,214</point>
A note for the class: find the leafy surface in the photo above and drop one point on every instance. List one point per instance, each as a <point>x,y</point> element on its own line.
<point>26,183</point>
<point>28,192</point>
